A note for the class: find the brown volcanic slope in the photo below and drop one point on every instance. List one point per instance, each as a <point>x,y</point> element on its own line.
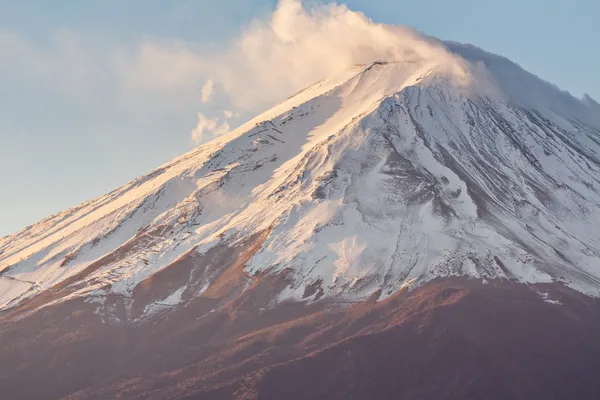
<point>451,339</point>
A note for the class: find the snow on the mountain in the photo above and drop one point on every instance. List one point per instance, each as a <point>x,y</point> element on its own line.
<point>383,176</point>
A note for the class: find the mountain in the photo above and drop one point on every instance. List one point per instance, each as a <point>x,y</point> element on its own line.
<point>434,216</point>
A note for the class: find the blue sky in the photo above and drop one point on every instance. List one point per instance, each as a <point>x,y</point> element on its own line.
<point>91,97</point>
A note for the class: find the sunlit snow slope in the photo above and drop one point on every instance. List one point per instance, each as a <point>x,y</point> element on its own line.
<point>383,176</point>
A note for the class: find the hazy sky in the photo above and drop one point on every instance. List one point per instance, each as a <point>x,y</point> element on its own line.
<point>95,93</point>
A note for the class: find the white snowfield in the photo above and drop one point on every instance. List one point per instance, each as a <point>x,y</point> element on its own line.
<point>384,176</point>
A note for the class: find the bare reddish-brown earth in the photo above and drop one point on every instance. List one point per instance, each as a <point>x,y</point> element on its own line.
<point>450,339</point>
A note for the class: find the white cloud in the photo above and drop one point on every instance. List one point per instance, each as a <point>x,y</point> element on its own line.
<point>228,114</point>
<point>208,128</point>
<point>222,129</point>
<point>208,91</point>
<point>296,46</point>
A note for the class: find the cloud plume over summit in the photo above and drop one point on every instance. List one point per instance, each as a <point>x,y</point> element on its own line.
<point>297,46</point>
<point>265,62</point>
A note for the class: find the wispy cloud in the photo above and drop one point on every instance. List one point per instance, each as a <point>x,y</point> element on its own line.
<point>144,79</point>
<point>295,46</point>
<point>208,91</point>
<point>209,128</point>
<point>158,77</point>
<point>228,114</point>
<point>64,62</point>
<point>270,59</point>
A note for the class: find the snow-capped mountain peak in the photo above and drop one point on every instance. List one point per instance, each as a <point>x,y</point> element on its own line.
<point>450,162</point>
